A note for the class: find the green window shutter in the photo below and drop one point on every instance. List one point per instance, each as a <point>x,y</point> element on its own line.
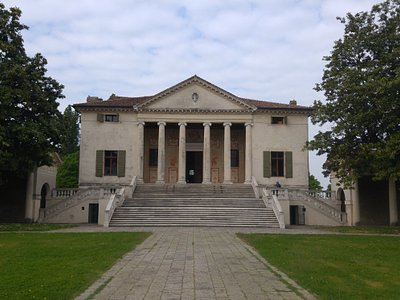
<point>121,163</point>
<point>99,163</point>
<point>100,118</point>
<point>288,164</point>
<point>267,163</point>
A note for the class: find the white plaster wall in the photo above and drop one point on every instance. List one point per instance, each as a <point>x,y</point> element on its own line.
<point>79,214</point>
<point>41,176</point>
<point>206,100</point>
<point>286,137</point>
<point>108,136</point>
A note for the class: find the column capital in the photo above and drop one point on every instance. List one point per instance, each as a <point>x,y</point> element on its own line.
<point>248,124</point>
<point>140,123</point>
<point>207,124</point>
<point>227,124</point>
<point>182,124</point>
<point>161,123</point>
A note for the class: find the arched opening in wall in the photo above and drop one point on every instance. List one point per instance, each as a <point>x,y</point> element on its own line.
<point>43,194</point>
<point>342,198</point>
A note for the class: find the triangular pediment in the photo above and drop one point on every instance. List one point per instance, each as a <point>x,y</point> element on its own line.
<point>195,93</point>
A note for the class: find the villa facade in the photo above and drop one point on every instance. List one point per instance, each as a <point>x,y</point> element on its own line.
<point>192,132</point>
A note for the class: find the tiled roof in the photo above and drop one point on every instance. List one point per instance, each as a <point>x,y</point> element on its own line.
<point>129,102</point>
<point>273,105</point>
<point>119,102</point>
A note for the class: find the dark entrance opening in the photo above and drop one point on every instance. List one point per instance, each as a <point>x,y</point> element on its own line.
<point>194,166</point>
<point>93,213</point>
<point>297,215</point>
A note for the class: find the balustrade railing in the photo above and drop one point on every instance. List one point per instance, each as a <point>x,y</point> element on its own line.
<point>271,199</point>
<point>117,199</point>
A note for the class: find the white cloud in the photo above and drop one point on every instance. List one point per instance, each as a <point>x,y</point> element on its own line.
<point>269,50</point>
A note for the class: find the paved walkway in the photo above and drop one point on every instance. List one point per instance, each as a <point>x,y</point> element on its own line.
<point>193,263</point>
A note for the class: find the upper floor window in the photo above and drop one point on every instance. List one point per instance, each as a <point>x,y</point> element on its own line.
<point>278,120</point>
<point>111,118</point>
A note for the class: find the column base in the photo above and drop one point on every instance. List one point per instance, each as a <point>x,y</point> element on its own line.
<point>227,182</point>
<point>181,182</point>
<point>206,181</point>
<point>247,182</point>
<point>139,180</point>
<point>160,182</point>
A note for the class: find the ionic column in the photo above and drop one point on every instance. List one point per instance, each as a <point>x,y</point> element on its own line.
<point>393,214</point>
<point>161,153</point>
<point>182,153</point>
<point>141,151</point>
<point>227,153</point>
<point>206,154</point>
<point>248,154</point>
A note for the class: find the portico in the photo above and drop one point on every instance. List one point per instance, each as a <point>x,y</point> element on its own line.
<point>195,152</point>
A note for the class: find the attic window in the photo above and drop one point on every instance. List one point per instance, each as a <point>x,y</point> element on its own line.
<point>111,118</point>
<point>278,120</point>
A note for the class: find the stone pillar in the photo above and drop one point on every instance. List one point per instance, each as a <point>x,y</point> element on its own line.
<point>30,190</point>
<point>356,204</point>
<point>206,154</point>
<point>393,214</point>
<point>227,153</point>
<point>248,152</point>
<point>141,151</point>
<point>161,153</point>
<point>182,153</point>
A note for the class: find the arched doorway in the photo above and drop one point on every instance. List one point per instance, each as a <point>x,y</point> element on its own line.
<point>43,194</point>
<point>342,199</point>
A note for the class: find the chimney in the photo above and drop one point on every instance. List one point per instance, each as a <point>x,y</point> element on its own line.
<point>93,99</point>
<point>292,102</point>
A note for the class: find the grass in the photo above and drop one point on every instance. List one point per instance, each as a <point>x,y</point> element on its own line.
<point>58,265</point>
<point>363,229</point>
<point>32,227</point>
<point>335,266</point>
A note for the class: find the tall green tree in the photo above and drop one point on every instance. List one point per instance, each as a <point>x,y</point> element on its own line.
<point>68,172</point>
<point>28,102</point>
<point>313,183</point>
<point>69,131</point>
<point>361,83</point>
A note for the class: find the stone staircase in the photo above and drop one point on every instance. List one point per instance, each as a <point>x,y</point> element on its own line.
<point>194,205</point>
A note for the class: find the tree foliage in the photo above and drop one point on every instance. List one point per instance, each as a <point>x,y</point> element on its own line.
<point>313,183</point>
<point>361,83</point>
<point>68,172</point>
<point>28,106</point>
<point>69,131</point>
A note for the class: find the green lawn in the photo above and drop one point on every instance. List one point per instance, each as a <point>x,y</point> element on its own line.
<point>32,227</point>
<point>363,229</point>
<point>58,265</point>
<point>335,266</point>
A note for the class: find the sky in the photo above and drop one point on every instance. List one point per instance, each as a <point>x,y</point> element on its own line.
<point>263,49</point>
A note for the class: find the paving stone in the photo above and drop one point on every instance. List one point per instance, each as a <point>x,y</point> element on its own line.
<point>194,263</point>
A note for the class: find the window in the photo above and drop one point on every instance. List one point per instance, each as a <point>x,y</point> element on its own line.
<point>153,157</point>
<point>111,118</point>
<point>277,164</point>
<point>110,163</point>
<point>278,120</point>
<point>234,158</point>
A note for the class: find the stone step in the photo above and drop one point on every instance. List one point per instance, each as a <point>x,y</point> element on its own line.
<point>199,202</point>
<point>194,205</point>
